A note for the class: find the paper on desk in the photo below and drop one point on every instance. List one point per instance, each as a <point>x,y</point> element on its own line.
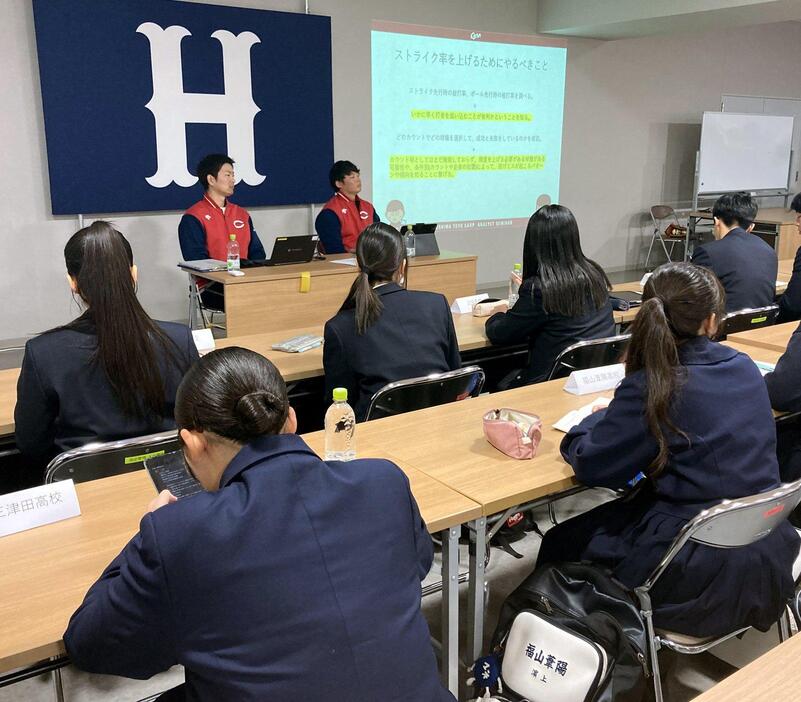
<point>463,305</point>
<point>765,367</point>
<point>346,261</point>
<point>566,423</point>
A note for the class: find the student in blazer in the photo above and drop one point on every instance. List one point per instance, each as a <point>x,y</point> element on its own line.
<point>745,265</point>
<point>384,332</point>
<point>790,301</point>
<point>112,373</point>
<point>564,296</point>
<point>694,416</point>
<point>291,578</point>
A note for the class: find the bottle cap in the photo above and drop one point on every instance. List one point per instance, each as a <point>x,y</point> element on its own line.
<point>518,267</point>
<point>232,237</point>
<point>340,394</point>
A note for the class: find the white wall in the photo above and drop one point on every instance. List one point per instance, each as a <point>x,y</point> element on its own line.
<point>632,122</point>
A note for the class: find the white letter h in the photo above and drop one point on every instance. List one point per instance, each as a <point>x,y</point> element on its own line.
<point>173,109</point>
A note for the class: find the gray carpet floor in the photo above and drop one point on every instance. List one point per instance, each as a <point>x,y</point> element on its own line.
<point>685,676</point>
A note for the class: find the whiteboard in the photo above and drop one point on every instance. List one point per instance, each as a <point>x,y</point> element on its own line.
<point>744,152</point>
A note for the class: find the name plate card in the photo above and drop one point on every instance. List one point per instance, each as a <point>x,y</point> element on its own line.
<point>583,382</point>
<point>204,341</point>
<point>463,305</point>
<point>37,506</point>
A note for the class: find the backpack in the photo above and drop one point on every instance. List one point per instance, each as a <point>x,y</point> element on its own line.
<point>570,631</point>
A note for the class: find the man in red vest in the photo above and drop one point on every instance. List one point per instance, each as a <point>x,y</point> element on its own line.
<point>206,227</point>
<point>345,215</point>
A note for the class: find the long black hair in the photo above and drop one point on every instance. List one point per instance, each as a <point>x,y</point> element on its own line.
<point>677,298</point>
<point>380,252</point>
<point>569,281</point>
<point>99,260</point>
<point>234,393</point>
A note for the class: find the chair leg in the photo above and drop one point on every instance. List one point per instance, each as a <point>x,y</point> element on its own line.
<point>650,248</point>
<point>664,248</point>
<point>785,632</point>
<point>552,512</point>
<point>653,654</point>
<point>58,689</point>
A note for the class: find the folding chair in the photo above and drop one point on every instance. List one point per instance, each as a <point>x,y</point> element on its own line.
<point>731,524</point>
<point>662,217</point>
<point>591,353</point>
<point>426,391</point>
<point>198,309</point>
<point>749,318</point>
<point>102,460</point>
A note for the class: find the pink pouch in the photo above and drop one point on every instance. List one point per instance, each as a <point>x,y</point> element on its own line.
<point>515,433</point>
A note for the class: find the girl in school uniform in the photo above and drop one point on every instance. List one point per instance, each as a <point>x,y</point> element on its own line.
<point>384,332</point>
<point>112,373</point>
<point>564,296</point>
<point>695,417</point>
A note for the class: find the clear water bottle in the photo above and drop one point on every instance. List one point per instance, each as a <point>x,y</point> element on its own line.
<point>340,426</point>
<point>514,285</point>
<point>409,240</point>
<point>232,251</point>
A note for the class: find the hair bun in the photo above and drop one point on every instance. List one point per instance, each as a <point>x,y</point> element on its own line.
<point>261,412</point>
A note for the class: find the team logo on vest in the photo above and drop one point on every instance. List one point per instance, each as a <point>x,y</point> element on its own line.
<point>344,211</point>
<point>239,224</point>
<point>173,109</point>
<point>363,214</point>
<point>208,217</point>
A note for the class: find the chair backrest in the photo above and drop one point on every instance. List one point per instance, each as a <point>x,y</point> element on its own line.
<point>591,353</point>
<point>734,523</point>
<point>662,212</point>
<point>101,460</point>
<point>426,391</point>
<point>750,318</point>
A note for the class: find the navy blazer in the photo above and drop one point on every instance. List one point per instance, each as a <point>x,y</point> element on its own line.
<point>547,334</point>
<point>746,267</point>
<point>784,389</point>
<point>64,399</point>
<point>729,452</point>
<point>297,580</point>
<point>413,336</point>
<point>790,301</point>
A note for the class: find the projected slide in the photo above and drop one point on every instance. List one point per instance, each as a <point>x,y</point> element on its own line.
<point>467,126</point>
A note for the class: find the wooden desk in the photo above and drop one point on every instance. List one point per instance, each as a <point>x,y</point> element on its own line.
<point>774,676</point>
<point>47,571</point>
<point>786,267</point>
<point>8,399</point>
<point>268,299</point>
<point>774,222</point>
<point>773,338</point>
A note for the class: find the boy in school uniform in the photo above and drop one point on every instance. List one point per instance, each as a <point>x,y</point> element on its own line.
<point>744,264</point>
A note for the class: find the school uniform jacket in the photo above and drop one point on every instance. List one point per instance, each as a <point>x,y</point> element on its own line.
<point>297,580</point>
<point>547,334</point>
<point>413,336</point>
<point>790,301</point>
<point>746,267</point>
<point>724,409</point>
<point>784,389</point>
<point>64,398</point>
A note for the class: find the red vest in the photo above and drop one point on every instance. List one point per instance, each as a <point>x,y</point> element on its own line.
<point>352,219</point>
<point>219,225</point>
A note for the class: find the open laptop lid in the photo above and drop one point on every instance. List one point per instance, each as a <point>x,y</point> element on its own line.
<point>293,249</point>
<point>419,228</point>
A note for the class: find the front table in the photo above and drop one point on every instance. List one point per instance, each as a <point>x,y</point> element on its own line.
<point>269,298</point>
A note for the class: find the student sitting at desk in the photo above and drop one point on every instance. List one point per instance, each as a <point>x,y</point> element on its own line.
<point>564,297</point>
<point>384,332</point>
<point>790,301</point>
<point>290,579</point>
<point>694,416</point>
<point>111,373</point>
<point>744,264</point>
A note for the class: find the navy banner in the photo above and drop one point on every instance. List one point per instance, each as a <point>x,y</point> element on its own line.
<point>135,92</point>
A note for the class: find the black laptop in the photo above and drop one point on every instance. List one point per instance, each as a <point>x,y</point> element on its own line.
<point>425,241</point>
<point>286,250</point>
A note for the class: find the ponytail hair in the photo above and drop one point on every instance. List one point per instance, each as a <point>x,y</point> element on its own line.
<point>677,298</point>
<point>380,252</point>
<point>99,259</point>
<point>234,393</point>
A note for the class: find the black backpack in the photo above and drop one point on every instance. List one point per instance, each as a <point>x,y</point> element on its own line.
<point>587,600</point>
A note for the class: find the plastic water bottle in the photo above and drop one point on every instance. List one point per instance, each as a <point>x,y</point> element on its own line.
<point>232,251</point>
<point>514,286</point>
<point>409,240</point>
<point>340,425</point>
